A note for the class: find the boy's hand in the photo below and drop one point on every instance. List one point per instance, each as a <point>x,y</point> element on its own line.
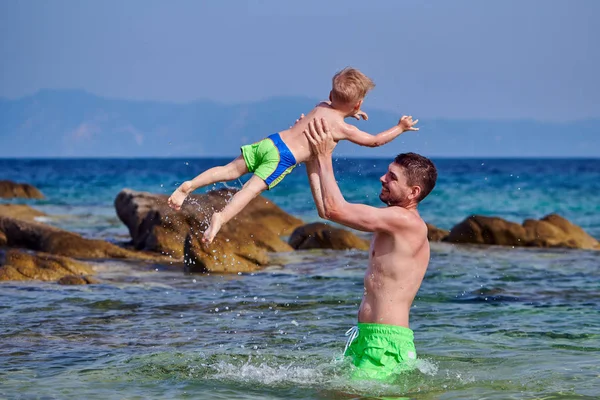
<point>360,114</point>
<point>407,123</point>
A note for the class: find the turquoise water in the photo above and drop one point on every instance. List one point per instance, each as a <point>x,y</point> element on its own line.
<point>489,322</point>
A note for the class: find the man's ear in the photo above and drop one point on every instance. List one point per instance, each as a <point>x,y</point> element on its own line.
<point>415,192</point>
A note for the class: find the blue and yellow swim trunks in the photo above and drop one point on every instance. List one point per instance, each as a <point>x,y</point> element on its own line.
<point>380,351</point>
<point>270,159</point>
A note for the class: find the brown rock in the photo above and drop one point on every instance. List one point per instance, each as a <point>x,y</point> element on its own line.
<point>3,239</point>
<point>76,280</point>
<point>555,231</point>
<point>10,190</point>
<point>435,234</point>
<point>319,235</point>
<point>551,231</point>
<point>19,265</point>
<point>488,230</point>
<point>542,233</point>
<point>156,227</point>
<point>40,237</point>
<point>200,257</point>
<point>20,211</point>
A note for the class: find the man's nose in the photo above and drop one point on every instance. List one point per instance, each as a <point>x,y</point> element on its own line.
<point>382,179</point>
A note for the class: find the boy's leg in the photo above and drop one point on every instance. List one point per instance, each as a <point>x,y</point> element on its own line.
<point>228,172</point>
<point>241,199</point>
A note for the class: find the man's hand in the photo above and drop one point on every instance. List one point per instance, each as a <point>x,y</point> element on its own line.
<point>319,137</point>
<point>360,114</point>
<point>407,123</point>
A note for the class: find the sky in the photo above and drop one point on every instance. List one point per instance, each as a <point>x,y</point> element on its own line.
<point>446,59</point>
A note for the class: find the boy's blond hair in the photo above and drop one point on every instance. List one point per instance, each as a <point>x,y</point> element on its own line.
<point>350,86</point>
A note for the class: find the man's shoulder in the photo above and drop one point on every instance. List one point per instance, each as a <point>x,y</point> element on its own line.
<point>410,219</point>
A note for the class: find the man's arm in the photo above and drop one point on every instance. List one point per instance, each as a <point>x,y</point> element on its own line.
<point>312,170</point>
<point>335,207</point>
<point>355,135</point>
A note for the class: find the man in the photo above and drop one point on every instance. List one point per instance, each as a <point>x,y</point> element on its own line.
<point>382,343</point>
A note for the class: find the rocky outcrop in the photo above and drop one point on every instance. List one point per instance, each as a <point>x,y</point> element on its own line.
<point>222,256</point>
<point>19,265</point>
<point>241,245</point>
<point>40,237</point>
<point>479,229</point>
<point>20,211</point>
<point>555,231</point>
<point>551,231</point>
<point>435,234</point>
<point>320,235</point>
<point>10,190</point>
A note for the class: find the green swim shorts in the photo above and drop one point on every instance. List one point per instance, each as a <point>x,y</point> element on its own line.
<point>380,351</point>
<point>270,159</point>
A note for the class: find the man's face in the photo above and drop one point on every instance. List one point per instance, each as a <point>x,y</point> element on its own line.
<point>394,188</point>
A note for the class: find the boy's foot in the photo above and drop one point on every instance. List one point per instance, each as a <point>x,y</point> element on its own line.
<point>179,195</point>
<point>214,227</point>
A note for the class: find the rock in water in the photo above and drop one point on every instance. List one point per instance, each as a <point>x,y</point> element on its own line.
<point>319,235</point>
<point>241,245</point>
<point>19,265</point>
<point>551,231</point>
<point>10,190</point>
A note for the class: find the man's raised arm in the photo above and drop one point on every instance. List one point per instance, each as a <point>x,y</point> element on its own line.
<point>335,207</point>
<point>312,170</point>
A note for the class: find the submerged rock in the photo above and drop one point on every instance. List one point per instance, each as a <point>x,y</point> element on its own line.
<point>320,235</point>
<point>551,231</point>
<point>10,190</point>
<point>241,245</point>
<point>76,280</point>
<point>19,265</point>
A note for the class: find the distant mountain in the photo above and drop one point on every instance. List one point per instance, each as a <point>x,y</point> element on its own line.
<point>74,123</point>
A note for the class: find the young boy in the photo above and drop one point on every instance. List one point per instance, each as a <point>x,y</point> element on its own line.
<point>274,157</point>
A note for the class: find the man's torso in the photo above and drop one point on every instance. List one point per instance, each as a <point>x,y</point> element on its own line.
<point>397,264</point>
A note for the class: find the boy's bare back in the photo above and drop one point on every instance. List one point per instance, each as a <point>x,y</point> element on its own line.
<point>295,139</point>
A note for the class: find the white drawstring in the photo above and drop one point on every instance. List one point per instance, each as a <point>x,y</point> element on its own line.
<point>353,333</point>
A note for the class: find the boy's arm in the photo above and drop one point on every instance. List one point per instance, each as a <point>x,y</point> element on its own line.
<point>359,137</point>
<point>335,207</point>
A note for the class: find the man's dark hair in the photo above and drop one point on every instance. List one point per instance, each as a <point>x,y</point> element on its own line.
<point>419,171</point>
